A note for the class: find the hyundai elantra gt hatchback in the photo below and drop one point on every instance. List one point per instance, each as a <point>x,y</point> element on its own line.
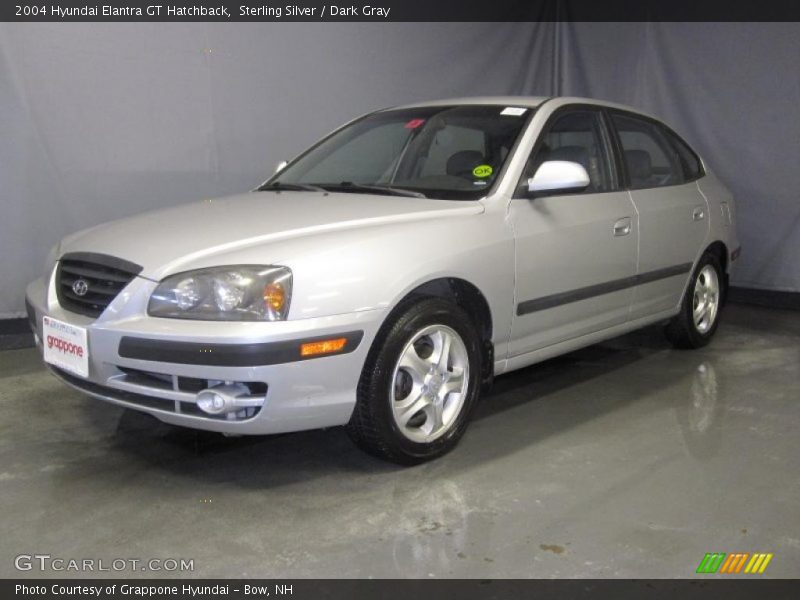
<point>382,278</point>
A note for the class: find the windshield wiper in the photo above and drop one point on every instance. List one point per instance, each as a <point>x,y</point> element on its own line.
<point>349,186</point>
<point>280,186</point>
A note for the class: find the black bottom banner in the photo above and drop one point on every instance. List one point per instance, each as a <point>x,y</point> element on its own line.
<point>387,589</point>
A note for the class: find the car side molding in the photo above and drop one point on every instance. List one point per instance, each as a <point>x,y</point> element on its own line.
<point>530,306</point>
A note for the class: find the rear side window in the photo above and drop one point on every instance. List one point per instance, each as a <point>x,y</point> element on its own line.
<point>692,168</point>
<point>650,159</point>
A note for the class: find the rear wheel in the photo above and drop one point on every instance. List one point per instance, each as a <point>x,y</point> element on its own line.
<point>695,324</point>
<point>419,384</point>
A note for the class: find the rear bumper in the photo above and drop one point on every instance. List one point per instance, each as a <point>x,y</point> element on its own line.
<point>158,365</point>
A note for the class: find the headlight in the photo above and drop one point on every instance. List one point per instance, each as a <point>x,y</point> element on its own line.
<point>239,293</point>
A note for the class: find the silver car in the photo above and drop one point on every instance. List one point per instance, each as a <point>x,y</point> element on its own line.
<point>385,276</point>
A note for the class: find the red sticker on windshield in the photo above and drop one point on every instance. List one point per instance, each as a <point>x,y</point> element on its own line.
<point>414,123</point>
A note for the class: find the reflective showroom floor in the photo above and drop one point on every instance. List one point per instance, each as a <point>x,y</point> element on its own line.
<point>624,459</point>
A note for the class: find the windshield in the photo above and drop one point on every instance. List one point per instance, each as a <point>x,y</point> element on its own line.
<point>448,152</point>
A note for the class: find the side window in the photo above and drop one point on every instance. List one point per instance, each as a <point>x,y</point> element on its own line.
<point>576,137</point>
<point>650,159</point>
<point>692,168</point>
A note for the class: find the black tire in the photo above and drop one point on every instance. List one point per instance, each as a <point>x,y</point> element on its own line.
<point>681,331</point>
<point>372,426</point>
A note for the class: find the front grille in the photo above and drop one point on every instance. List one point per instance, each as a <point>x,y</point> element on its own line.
<point>190,385</point>
<point>185,407</point>
<point>104,276</point>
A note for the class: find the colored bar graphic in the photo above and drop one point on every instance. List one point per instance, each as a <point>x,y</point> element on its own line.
<point>720,562</point>
<point>758,563</point>
<point>765,563</point>
<point>734,562</point>
<point>711,562</point>
<point>728,561</point>
<point>741,562</point>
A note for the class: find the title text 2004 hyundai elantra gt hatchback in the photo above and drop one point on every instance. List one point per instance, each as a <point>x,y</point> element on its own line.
<point>384,276</point>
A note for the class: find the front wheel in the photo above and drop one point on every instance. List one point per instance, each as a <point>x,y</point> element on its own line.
<point>419,384</point>
<point>695,324</point>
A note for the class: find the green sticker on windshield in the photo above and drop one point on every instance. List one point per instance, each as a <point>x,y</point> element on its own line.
<point>482,171</point>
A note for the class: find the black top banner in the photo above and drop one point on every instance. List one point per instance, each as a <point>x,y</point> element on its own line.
<point>401,10</point>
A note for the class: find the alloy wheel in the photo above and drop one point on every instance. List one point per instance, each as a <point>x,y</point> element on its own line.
<point>430,383</point>
<point>705,303</point>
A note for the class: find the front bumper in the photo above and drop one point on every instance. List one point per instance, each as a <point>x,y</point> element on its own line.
<point>158,365</point>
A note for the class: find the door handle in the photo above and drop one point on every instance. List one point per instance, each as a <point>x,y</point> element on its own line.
<point>699,214</point>
<point>622,227</point>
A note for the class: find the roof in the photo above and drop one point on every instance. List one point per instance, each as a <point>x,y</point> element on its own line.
<point>526,101</point>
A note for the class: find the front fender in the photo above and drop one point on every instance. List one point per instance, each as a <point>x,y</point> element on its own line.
<point>375,268</point>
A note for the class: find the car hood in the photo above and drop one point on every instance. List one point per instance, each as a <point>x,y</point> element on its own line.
<point>170,240</point>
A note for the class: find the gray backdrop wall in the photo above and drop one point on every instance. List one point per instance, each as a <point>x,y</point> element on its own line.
<point>733,90</point>
<point>103,121</point>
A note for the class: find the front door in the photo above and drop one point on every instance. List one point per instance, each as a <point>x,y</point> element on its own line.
<point>576,254</point>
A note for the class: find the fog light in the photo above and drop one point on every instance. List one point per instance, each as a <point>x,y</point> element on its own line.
<point>210,402</point>
<point>223,398</point>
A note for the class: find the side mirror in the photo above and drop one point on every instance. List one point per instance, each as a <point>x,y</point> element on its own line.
<point>281,166</point>
<point>558,176</point>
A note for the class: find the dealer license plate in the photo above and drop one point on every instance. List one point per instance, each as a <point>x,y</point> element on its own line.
<point>65,346</point>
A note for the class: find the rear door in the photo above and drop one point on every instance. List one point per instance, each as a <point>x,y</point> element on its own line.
<point>673,214</point>
<point>575,253</point>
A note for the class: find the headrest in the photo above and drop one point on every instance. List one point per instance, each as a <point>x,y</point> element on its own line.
<point>462,163</point>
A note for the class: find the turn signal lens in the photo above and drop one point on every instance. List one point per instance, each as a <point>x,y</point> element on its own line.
<point>275,296</point>
<point>323,347</point>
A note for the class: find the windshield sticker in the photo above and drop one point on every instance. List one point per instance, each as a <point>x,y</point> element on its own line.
<point>482,171</point>
<point>513,111</point>
<point>414,123</point>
